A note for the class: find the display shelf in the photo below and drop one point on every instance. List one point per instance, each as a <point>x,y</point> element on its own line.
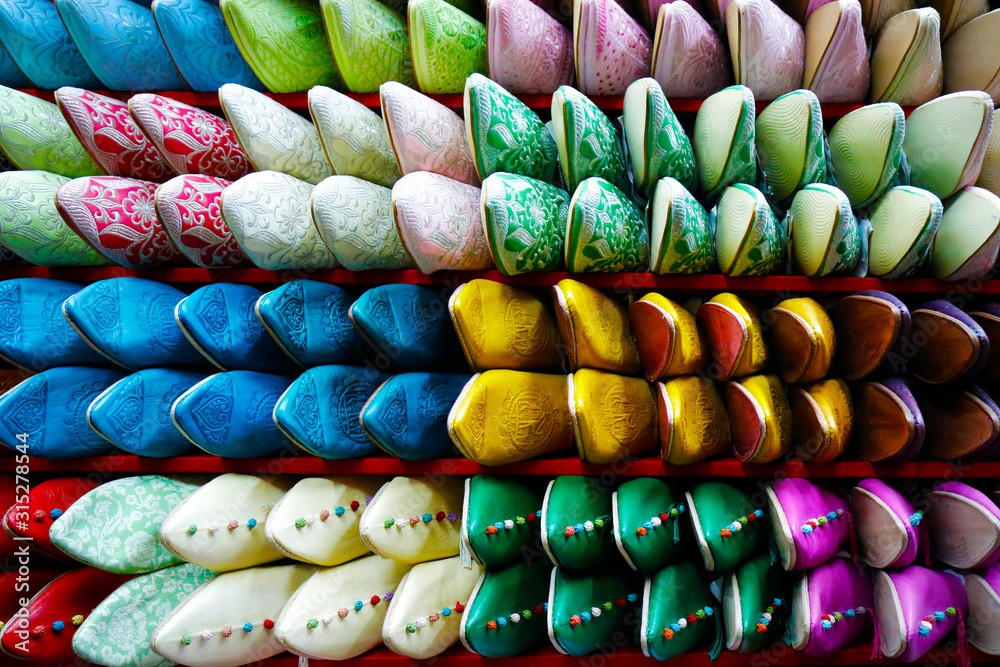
<point>779,285</point>
<point>299,101</point>
<point>647,466</point>
<point>781,656</point>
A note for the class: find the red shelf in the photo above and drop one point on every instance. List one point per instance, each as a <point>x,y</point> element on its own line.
<point>779,656</point>
<point>550,467</point>
<point>299,101</point>
<point>618,281</point>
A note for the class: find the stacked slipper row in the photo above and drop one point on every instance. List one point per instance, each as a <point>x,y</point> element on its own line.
<point>422,188</point>
<point>128,363</point>
<point>499,564</point>
<point>693,49</point>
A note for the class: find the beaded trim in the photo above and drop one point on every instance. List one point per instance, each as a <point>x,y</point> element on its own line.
<point>324,514</point>
<point>516,617</point>
<point>415,519</point>
<point>38,631</point>
<point>684,621</point>
<point>434,616</point>
<point>765,618</point>
<point>916,518</point>
<point>595,612</point>
<point>39,515</point>
<point>358,606</point>
<point>827,621</point>
<point>737,526</point>
<point>657,521</point>
<point>812,524</point>
<point>928,622</point>
<point>227,631</point>
<point>587,527</point>
<point>231,526</point>
<point>509,524</point>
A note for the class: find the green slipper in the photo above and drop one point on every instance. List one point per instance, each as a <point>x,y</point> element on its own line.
<point>648,516</point>
<point>505,614</point>
<point>500,519</point>
<point>525,221</point>
<point>587,141</point>
<point>370,44</point>
<point>756,598</point>
<point>989,177</point>
<point>726,525</point>
<point>946,141</point>
<point>605,231</point>
<point>588,612</point>
<point>966,243</point>
<point>724,140</point>
<point>866,150</point>
<point>34,135</point>
<point>576,522</point>
<point>679,613</point>
<point>904,222</point>
<point>447,45</point>
<point>790,144</point>
<point>749,241</point>
<point>283,42</point>
<point>31,226</point>
<point>657,144</point>
<point>825,234</point>
<point>505,135</point>
<point>682,239</point>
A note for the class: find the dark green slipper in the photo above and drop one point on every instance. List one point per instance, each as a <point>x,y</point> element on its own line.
<point>648,517</point>
<point>726,525</point>
<point>500,519</point>
<point>505,614</point>
<point>576,522</point>
<point>679,613</point>
<point>591,612</point>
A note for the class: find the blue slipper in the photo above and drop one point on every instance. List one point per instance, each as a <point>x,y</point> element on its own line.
<point>229,414</point>
<point>10,75</point>
<point>219,321</point>
<point>319,411</point>
<point>408,415</point>
<point>410,328</point>
<point>48,413</point>
<point>120,42</point>
<point>309,321</point>
<point>200,45</point>
<point>131,322</point>
<point>34,335</point>
<point>36,40</point>
<point>134,413</point>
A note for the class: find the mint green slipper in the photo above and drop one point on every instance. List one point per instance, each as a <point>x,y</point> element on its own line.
<point>790,144</point>
<point>825,234</point>
<point>749,241</point>
<point>657,144</point>
<point>866,149</point>
<point>724,140</point>
<point>966,243</point>
<point>682,239</point>
<point>904,222</point>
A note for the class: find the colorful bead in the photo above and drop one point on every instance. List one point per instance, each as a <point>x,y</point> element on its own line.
<point>570,531</point>
<point>300,522</point>
<point>55,514</point>
<point>640,531</point>
<point>327,620</point>
<point>607,606</point>
<point>632,597</point>
<point>388,596</point>
<point>388,523</point>
<point>585,616</point>
<point>358,605</point>
<point>421,622</point>
<point>58,626</point>
<point>532,517</point>
<point>451,516</point>
<point>343,613</point>
<point>574,620</point>
<point>427,517</point>
<point>579,528</point>
<point>77,620</point>
<point>501,620</point>
<point>491,530</point>
<point>414,520</point>
<point>192,529</point>
<point>185,640</point>
<point>355,505</point>
<point>526,614</point>
<point>312,623</point>
<point>951,611</point>
<point>233,525</point>
<point>411,628</point>
<point>441,516</point>
<point>515,617</point>
<point>214,528</point>
<point>434,616</point>
<point>446,611</point>
<point>520,520</point>
<point>375,600</point>
<point>268,624</point>
<point>459,607</point>
<point>325,514</point>
<point>599,523</point>
<point>508,524</point>
<point>39,515</point>
<point>252,523</point>
<point>700,613</point>
<point>248,627</point>
<point>491,625</point>
<point>227,631</point>
<point>206,635</point>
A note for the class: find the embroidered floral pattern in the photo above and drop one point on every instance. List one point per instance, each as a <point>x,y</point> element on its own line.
<point>37,41</point>
<point>525,223</point>
<point>448,45</point>
<point>371,44</point>
<point>190,209</point>
<point>691,60</point>
<point>34,135</point>
<point>612,49</point>
<point>606,231</point>
<point>529,52</point>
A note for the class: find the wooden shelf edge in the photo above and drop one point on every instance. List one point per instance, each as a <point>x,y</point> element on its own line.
<point>778,656</point>
<point>780,285</point>
<point>300,101</point>
<point>551,467</point>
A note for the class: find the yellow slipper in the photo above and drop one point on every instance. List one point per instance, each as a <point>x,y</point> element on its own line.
<point>667,337</point>
<point>760,418</point>
<point>614,417</point>
<point>693,420</point>
<point>822,419</point>
<point>594,329</point>
<point>803,339</point>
